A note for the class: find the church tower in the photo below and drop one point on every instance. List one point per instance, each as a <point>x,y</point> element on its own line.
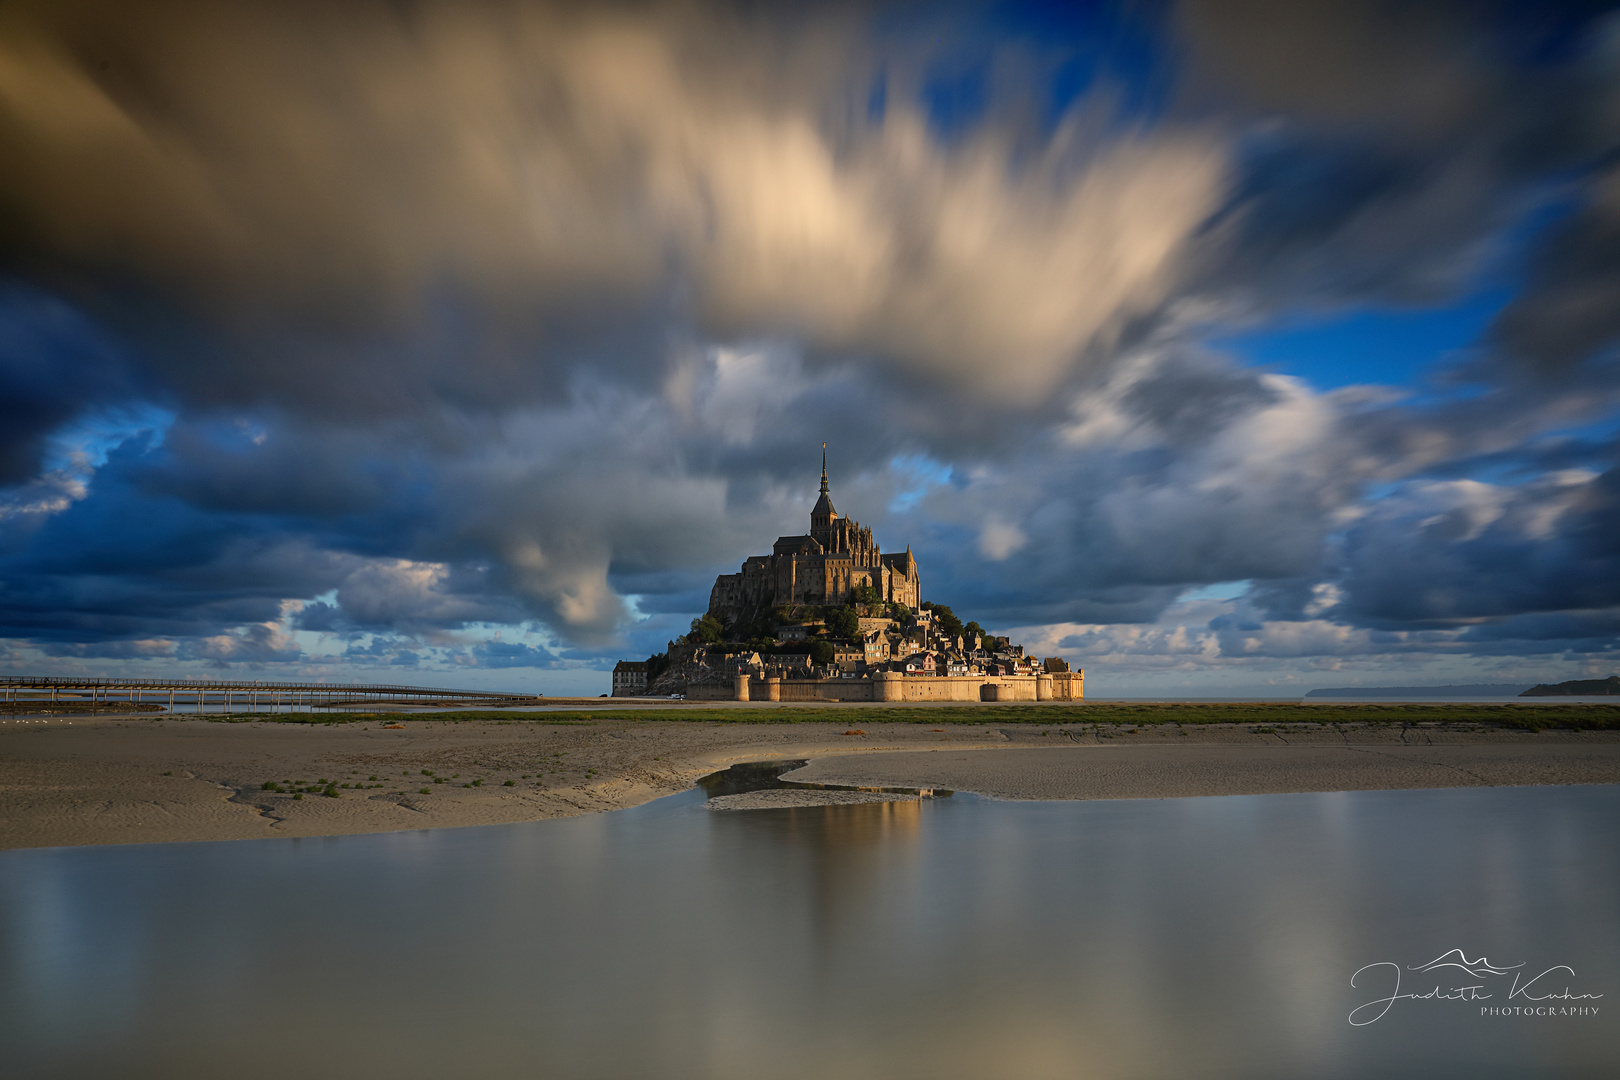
<point>823,516</point>
<point>837,562</point>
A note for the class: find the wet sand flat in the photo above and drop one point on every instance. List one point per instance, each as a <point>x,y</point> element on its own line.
<point>101,781</point>
<point>1145,771</point>
<point>145,780</point>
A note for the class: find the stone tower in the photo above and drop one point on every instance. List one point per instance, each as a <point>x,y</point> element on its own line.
<point>823,516</point>
<point>823,568</point>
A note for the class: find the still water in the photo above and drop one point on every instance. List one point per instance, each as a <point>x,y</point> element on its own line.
<point>957,937</point>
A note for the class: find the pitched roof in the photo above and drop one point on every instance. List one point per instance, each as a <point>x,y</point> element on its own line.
<point>797,545</point>
<point>824,504</point>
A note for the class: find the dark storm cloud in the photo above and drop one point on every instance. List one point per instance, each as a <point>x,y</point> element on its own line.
<point>1570,313</point>
<point>1467,551</point>
<point>133,563</point>
<point>54,365</point>
<point>1342,61</point>
<point>121,565</point>
<point>124,649</point>
<point>510,654</point>
<point>1592,629</point>
<point>1388,144</point>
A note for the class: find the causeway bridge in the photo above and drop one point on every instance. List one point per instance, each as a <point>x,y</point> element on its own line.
<point>28,690</point>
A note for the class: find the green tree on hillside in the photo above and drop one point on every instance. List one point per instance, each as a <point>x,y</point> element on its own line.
<point>707,630</point>
<point>844,623</point>
<point>821,652</point>
<point>946,620</point>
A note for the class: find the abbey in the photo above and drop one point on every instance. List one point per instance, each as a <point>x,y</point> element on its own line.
<point>828,617</point>
<point>825,567</point>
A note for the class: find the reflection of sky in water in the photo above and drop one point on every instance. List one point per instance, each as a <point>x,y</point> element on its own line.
<point>952,938</point>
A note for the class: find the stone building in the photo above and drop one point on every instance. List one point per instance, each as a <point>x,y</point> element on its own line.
<point>630,678</point>
<point>824,567</point>
<point>893,656</point>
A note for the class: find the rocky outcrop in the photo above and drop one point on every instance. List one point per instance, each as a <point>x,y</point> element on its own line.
<point>1609,687</point>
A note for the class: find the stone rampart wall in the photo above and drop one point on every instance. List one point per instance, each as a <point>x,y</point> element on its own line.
<point>899,689</point>
<point>814,690</point>
<point>711,692</point>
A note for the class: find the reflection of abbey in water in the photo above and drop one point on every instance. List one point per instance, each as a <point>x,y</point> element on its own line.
<point>835,562</point>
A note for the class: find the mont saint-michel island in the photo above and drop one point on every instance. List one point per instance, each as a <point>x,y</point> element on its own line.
<point>827,616</point>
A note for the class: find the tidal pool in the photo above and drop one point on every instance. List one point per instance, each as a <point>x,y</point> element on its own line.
<point>941,938</point>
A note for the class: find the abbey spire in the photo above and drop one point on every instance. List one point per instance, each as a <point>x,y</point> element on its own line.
<point>822,517</point>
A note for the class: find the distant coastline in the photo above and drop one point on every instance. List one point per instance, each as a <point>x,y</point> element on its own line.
<point>1609,687</point>
<point>1460,690</point>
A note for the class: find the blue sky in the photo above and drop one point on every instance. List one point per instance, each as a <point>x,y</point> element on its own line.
<point>1370,345</point>
<point>1220,348</point>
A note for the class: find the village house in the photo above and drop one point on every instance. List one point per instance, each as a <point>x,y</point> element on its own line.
<point>629,678</point>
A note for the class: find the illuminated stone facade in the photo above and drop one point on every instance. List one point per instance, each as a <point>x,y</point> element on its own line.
<point>824,567</point>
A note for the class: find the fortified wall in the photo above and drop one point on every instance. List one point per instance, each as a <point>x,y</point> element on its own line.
<point>896,687</point>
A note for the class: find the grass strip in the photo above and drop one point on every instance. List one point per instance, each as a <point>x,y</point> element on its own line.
<point>486,715</point>
<point>1582,717</point>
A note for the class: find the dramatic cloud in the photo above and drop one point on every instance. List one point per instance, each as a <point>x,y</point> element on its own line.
<point>309,173</point>
<point>479,336</point>
<point>1568,316</point>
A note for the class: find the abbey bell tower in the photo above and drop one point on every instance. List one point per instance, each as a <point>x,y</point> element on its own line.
<point>823,516</point>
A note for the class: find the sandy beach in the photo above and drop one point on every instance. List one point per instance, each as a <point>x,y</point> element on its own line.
<point>78,780</point>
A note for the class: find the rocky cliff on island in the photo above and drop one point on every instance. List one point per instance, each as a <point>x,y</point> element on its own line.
<point>1609,687</point>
